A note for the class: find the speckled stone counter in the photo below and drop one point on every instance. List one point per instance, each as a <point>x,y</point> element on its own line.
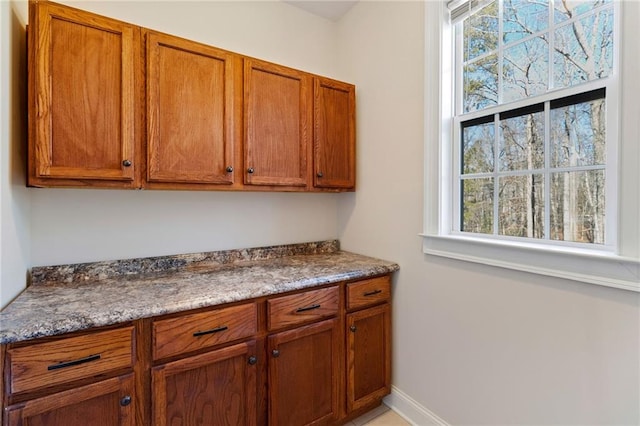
<point>68,298</point>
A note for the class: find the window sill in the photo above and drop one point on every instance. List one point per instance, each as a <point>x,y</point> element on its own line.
<point>604,269</point>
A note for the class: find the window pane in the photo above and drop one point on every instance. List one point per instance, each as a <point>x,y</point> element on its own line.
<point>577,206</point>
<point>584,50</point>
<point>481,84</point>
<point>477,205</point>
<point>481,32</point>
<point>565,10</point>
<point>522,142</point>
<point>521,206</point>
<point>477,148</point>
<point>524,17</point>
<point>578,134</point>
<point>525,70</point>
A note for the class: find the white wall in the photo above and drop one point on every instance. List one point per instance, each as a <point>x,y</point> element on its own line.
<point>472,344</point>
<point>14,197</point>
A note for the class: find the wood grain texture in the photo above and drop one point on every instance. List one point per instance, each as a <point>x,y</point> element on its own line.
<point>334,137</point>
<point>368,356</point>
<point>175,336</point>
<point>142,371</point>
<point>214,388</point>
<point>368,292</point>
<point>82,99</point>
<point>29,364</point>
<point>97,404</point>
<point>304,379</point>
<point>300,308</point>
<point>191,111</point>
<point>277,120</point>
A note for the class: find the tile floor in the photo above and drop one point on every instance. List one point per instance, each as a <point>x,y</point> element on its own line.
<point>381,416</point>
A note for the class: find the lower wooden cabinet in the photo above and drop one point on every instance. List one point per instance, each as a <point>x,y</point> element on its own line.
<point>109,402</point>
<point>214,388</point>
<point>314,357</point>
<point>368,356</point>
<point>304,375</point>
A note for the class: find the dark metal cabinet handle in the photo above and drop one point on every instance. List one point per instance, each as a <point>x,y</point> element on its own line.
<point>250,170</point>
<point>74,362</point>
<point>320,174</point>
<point>353,328</point>
<point>126,163</point>
<point>308,308</point>
<point>253,360</point>
<point>275,353</point>
<point>229,169</point>
<point>213,330</point>
<point>371,293</point>
<point>125,401</point>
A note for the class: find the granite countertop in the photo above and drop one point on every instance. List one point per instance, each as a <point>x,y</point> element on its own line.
<point>68,298</point>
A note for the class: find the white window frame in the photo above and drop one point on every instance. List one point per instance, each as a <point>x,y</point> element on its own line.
<point>617,264</point>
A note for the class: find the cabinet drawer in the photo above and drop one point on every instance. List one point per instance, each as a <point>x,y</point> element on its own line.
<point>188,333</point>
<point>303,307</point>
<point>72,358</point>
<point>368,292</point>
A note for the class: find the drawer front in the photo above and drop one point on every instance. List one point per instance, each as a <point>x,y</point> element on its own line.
<point>51,363</point>
<point>303,307</point>
<point>188,333</point>
<point>368,292</point>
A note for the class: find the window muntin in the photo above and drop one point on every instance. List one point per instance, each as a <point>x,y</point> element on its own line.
<point>509,158</point>
<point>517,49</point>
<point>537,171</point>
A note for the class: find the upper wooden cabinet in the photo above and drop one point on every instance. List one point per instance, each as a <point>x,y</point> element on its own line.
<point>334,136</point>
<point>277,118</point>
<point>82,99</point>
<point>190,111</point>
<point>118,106</point>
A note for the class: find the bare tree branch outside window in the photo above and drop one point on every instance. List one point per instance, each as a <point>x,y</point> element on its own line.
<point>538,171</point>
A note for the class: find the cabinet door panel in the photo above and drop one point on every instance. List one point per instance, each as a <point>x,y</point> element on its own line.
<point>83,95</point>
<point>368,356</point>
<point>303,375</point>
<point>277,117</point>
<point>190,101</point>
<point>98,404</point>
<point>334,134</point>
<point>215,388</point>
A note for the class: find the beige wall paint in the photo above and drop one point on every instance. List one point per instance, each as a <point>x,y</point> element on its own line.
<point>14,197</point>
<point>472,344</point>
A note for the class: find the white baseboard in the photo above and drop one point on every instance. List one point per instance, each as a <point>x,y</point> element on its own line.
<point>412,412</point>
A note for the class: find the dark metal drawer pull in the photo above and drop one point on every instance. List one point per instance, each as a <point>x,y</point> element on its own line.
<point>213,330</point>
<point>74,362</point>
<point>308,308</point>
<point>371,293</point>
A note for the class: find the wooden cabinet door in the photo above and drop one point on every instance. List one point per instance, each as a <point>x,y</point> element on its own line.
<point>82,97</point>
<point>304,376</point>
<point>334,139</point>
<point>217,388</point>
<point>277,121</point>
<point>107,403</point>
<point>368,356</point>
<point>191,111</point>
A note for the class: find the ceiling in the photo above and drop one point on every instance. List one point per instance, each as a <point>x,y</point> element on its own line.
<point>330,9</point>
